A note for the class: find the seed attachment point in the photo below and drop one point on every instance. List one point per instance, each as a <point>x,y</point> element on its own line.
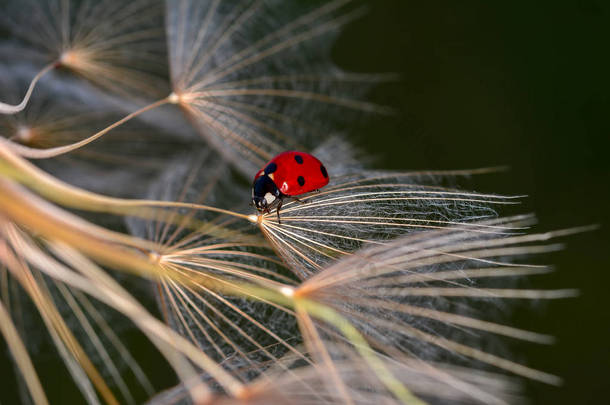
<point>255,219</point>
<point>287,291</point>
<point>173,98</point>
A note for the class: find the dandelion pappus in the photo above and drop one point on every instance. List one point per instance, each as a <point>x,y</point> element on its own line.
<point>289,174</point>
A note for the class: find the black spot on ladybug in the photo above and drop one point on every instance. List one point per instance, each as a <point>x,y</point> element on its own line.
<point>323,170</point>
<point>301,181</point>
<point>299,159</point>
<point>271,167</point>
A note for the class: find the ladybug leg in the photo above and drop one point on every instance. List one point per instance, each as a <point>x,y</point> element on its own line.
<point>277,210</point>
<point>298,200</point>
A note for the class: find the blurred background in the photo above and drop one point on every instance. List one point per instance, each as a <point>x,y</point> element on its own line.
<point>517,84</point>
<point>521,84</point>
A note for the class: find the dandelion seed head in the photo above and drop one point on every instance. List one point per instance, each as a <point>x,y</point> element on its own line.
<point>116,45</point>
<point>290,382</point>
<point>155,257</point>
<point>25,134</point>
<point>251,334</point>
<point>372,207</point>
<point>66,110</point>
<point>174,98</point>
<point>255,76</point>
<point>72,58</point>
<point>428,294</point>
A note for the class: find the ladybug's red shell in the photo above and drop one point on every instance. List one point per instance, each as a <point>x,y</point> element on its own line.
<point>295,172</point>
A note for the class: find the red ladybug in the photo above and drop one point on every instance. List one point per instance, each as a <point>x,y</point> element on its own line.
<point>288,174</point>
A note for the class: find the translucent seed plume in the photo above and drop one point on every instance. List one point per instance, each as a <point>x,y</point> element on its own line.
<point>420,297</point>
<point>373,208</point>
<point>254,78</point>
<point>116,45</point>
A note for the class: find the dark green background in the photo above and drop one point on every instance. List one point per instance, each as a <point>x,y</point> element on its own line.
<point>522,84</point>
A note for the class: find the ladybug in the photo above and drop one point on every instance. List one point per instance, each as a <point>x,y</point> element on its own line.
<point>288,174</point>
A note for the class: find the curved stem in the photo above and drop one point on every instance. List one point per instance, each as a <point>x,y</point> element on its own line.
<point>13,109</point>
<point>74,197</point>
<point>22,359</point>
<point>33,153</point>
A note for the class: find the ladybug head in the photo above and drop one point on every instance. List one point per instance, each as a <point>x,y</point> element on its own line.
<point>264,193</point>
<point>260,203</point>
